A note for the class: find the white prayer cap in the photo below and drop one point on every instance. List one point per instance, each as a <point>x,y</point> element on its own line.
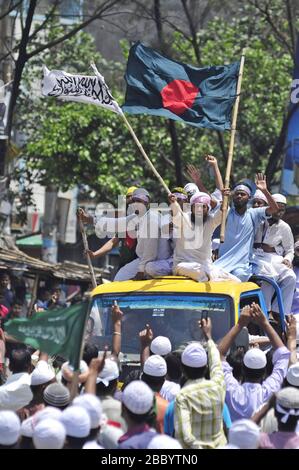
<point>293,375</point>
<point>42,373</point>
<point>191,189</point>
<point>244,433</point>
<point>155,366</point>
<point>255,358</point>
<point>138,397</point>
<point>92,405</point>
<point>280,198</point>
<point>49,412</point>
<point>194,355</point>
<point>110,372</point>
<point>83,368</point>
<point>161,345</point>
<point>10,428</point>
<point>288,397</point>
<point>27,426</point>
<point>109,436</point>
<point>162,441</point>
<point>49,434</point>
<point>260,195</point>
<point>92,445</point>
<point>76,421</point>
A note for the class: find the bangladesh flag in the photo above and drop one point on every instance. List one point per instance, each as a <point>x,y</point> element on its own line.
<point>56,332</point>
<point>201,97</point>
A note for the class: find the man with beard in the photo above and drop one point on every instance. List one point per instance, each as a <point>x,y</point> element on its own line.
<point>193,247</point>
<point>273,255</point>
<point>241,224</point>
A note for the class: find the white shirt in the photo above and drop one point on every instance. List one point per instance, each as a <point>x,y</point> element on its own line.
<point>202,251</point>
<point>279,236</point>
<point>148,233</point>
<point>16,392</point>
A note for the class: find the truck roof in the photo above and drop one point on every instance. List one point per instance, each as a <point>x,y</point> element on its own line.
<point>176,284</point>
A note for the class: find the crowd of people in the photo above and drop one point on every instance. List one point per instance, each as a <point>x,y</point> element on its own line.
<point>233,394</point>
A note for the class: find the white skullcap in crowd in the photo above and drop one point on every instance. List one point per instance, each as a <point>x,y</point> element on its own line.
<point>10,428</point>
<point>76,421</point>
<point>49,412</point>
<point>109,436</point>
<point>215,244</point>
<point>49,434</point>
<point>42,373</point>
<point>138,397</point>
<point>110,372</point>
<point>162,441</point>
<point>293,375</point>
<point>244,434</point>
<point>194,355</point>
<point>280,198</point>
<point>287,403</point>
<point>65,366</point>
<point>255,358</point>
<point>92,445</point>
<point>260,195</point>
<point>191,189</point>
<point>161,346</point>
<point>155,366</point>
<point>243,187</point>
<point>27,426</point>
<point>92,405</point>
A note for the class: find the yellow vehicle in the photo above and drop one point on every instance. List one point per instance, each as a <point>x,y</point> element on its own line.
<point>171,306</point>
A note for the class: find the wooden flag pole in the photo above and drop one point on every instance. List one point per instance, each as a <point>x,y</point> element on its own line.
<point>85,243</point>
<point>231,147</point>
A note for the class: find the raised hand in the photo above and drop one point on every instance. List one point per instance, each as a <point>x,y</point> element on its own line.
<point>117,314</point>
<point>257,314</point>
<point>260,181</point>
<point>245,316</point>
<point>291,330</point>
<point>206,326</point>
<point>146,336</point>
<point>212,161</point>
<point>83,216</point>
<point>194,173</point>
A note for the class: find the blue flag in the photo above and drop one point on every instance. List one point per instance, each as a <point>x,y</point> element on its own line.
<point>201,97</point>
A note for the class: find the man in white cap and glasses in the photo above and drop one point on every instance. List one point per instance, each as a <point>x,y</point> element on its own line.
<point>273,255</point>
<point>245,399</point>
<point>138,411</point>
<point>287,414</point>
<point>236,252</point>
<point>199,404</point>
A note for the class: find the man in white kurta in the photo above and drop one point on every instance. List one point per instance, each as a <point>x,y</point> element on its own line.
<point>273,256</point>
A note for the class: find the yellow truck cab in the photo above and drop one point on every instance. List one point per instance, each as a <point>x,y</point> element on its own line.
<point>171,306</point>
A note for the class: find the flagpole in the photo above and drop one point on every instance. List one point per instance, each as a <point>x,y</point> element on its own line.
<point>231,147</point>
<point>144,154</point>
<point>85,243</point>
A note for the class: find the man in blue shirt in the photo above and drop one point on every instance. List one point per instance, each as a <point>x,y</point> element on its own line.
<point>236,251</point>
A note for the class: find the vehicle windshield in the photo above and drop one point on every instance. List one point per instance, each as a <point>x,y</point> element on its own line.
<point>172,315</point>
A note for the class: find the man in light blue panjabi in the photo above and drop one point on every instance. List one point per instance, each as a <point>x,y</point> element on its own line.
<point>236,251</point>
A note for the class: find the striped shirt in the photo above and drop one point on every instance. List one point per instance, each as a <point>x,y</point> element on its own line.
<point>199,407</point>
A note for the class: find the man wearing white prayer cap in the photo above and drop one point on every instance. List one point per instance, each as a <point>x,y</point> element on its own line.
<point>244,399</point>
<point>93,406</point>
<point>199,404</point>
<point>244,434</point>
<point>273,255</point>
<point>27,428</point>
<point>41,377</point>
<point>16,392</point>
<point>292,377</point>
<point>77,424</point>
<point>161,345</point>
<point>109,436</point>
<point>236,252</point>
<point>162,441</point>
<point>191,189</point>
<point>67,372</point>
<point>154,373</point>
<point>49,434</point>
<point>138,410</point>
<point>287,414</point>
<point>10,429</point>
<point>49,412</point>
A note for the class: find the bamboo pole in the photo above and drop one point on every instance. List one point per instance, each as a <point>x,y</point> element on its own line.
<point>85,243</point>
<point>231,147</point>
<point>33,295</point>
